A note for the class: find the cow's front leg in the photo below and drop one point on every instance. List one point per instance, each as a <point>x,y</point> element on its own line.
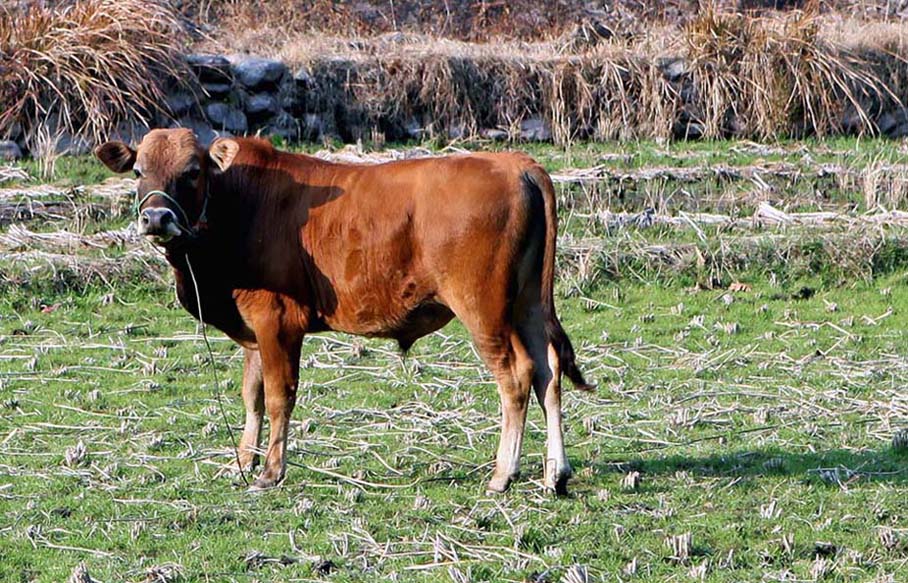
<point>254,399</point>
<point>280,356</point>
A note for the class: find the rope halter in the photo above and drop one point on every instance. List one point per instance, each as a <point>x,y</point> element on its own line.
<point>185,225</point>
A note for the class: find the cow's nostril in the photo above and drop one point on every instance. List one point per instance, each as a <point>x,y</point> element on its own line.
<point>144,218</point>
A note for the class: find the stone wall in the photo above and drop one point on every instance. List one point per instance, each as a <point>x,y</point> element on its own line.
<point>258,96</point>
<point>247,95</point>
<point>252,95</point>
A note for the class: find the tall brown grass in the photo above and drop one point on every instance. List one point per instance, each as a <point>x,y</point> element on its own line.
<point>470,20</point>
<point>485,20</point>
<point>744,75</point>
<point>82,68</point>
<point>772,77</point>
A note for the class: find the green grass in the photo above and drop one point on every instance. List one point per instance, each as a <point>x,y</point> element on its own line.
<point>760,422</point>
<point>794,409</point>
<point>68,171</point>
<point>84,169</point>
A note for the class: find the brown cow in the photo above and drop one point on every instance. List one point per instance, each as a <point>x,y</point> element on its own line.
<point>282,245</point>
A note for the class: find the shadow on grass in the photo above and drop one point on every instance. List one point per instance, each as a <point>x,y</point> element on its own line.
<point>833,467</point>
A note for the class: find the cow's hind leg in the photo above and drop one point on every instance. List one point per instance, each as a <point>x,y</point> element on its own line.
<point>280,371</point>
<point>254,400</point>
<point>510,363</point>
<point>547,385</point>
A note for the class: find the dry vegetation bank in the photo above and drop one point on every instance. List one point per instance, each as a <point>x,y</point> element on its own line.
<point>721,74</point>
<point>707,73</point>
<point>482,21</point>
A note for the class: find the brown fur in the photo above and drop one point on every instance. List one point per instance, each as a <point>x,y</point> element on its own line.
<point>296,245</point>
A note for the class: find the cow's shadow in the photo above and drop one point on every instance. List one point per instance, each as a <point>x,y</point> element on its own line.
<point>835,467</point>
<point>256,215</point>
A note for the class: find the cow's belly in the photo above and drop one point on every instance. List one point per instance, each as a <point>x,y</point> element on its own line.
<point>402,309</point>
<point>406,327</point>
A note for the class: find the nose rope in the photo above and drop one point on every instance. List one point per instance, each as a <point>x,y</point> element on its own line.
<point>185,226</point>
<point>203,218</point>
<point>214,372</point>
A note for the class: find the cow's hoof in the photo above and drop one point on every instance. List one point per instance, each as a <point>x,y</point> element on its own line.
<point>263,483</point>
<point>559,484</point>
<point>499,484</point>
<point>557,481</point>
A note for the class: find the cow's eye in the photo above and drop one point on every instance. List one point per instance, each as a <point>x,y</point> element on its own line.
<point>192,173</point>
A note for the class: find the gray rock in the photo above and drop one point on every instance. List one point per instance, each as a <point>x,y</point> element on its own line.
<point>689,130</point>
<point>313,126</point>
<point>534,129</point>
<point>210,68</point>
<point>303,77</point>
<point>889,121</point>
<point>262,105</point>
<point>73,145</point>
<point>854,121</point>
<point>227,117</point>
<point>733,125</point>
<point>130,132</point>
<point>217,90</point>
<point>457,132</point>
<point>256,73</point>
<point>886,123</point>
<point>899,131</point>
<point>290,102</point>
<point>688,92</point>
<point>203,131</point>
<point>10,150</point>
<point>672,68</point>
<point>494,134</point>
<point>15,131</point>
<point>413,129</point>
<point>180,103</point>
<point>285,126</point>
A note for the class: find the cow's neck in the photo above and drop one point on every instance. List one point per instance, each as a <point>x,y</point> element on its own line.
<point>250,242</point>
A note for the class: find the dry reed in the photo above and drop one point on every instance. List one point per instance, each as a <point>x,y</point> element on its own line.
<point>82,68</point>
<point>742,75</point>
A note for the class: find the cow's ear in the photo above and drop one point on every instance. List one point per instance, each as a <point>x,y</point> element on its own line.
<point>222,153</point>
<point>117,156</point>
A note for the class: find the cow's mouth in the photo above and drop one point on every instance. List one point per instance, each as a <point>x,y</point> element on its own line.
<point>169,233</point>
<point>160,239</point>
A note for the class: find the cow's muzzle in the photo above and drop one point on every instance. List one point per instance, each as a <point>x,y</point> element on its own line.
<point>159,224</point>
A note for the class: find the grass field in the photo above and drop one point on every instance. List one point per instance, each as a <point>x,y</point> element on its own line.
<point>742,429</point>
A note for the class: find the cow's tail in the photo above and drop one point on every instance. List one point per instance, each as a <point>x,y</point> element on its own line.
<point>539,179</point>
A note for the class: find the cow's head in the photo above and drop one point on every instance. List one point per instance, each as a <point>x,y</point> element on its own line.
<point>173,173</point>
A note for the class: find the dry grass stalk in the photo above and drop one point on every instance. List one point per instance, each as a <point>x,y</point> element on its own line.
<point>9,173</point>
<point>680,546</point>
<point>900,440</point>
<point>81,68</point>
<point>631,481</point>
<point>81,575</point>
<point>576,574</point>
<point>811,80</point>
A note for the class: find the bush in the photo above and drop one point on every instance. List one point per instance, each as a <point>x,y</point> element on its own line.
<point>82,68</point>
<point>774,77</point>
